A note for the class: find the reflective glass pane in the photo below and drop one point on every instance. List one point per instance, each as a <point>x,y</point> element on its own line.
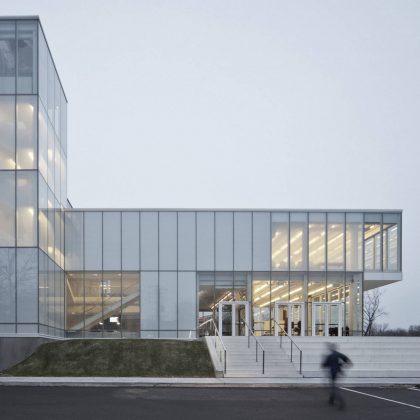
<point>242,286</point>
<point>93,304</point>
<point>317,241</point>
<point>224,240</point>
<point>373,241</point>
<point>7,132</point>
<point>260,297</point>
<point>391,241</point>
<point>223,287</point>
<point>26,213</point>
<point>26,134</point>
<point>354,244</point>
<point>93,241</point>
<point>75,301</point>
<point>205,241</point>
<point>186,241</point>
<point>43,68</point>
<point>168,241</point>
<point>335,241</point>
<point>27,61</point>
<point>43,142</point>
<point>111,298</point>
<point>112,240</point>
<point>7,208</point>
<point>7,285</point>
<point>130,318</point>
<point>243,241</point>
<point>261,235</point>
<point>7,57</point>
<point>298,241</point>
<point>149,240</point>
<point>280,241</point>
<point>149,298</point>
<point>353,299</point>
<point>74,240</point>
<point>205,296</point>
<point>168,300</point>
<point>27,284</point>
<point>187,299</point>
<point>130,241</point>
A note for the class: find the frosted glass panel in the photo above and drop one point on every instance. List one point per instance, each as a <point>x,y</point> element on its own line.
<point>243,241</point>
<point>74,240</point>
<point>27,190</point>
<point>167,241</point>
<point>224,241</point>
<point>261,241</point>
<point>26,133</point>
<point>186,241</point>
<point>130,241</point>
<point>205,241</point>
<point>187,298</point>
<point>112,240</point>
<point>167,300</point>
<point>7,132</point>
<point>149,241</point>
<point>7,208</point>
<point>149,301</point>
<point>7,285</point>
<point>93,241</point>
<point>27,284</point>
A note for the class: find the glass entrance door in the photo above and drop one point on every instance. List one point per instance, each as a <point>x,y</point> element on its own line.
<point>327,318</point>
<point>233,317</point>
<point>290,317</point>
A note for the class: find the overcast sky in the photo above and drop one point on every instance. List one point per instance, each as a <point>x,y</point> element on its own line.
<point>255,104</point>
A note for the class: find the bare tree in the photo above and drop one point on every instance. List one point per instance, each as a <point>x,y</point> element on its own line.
<point>372,310</point>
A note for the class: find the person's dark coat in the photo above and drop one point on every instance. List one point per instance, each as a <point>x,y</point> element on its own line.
<point>334,361</point>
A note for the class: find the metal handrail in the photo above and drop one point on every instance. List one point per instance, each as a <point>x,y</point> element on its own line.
<point>282,330</point>
<point>223,350</point>
<point>257,343</point>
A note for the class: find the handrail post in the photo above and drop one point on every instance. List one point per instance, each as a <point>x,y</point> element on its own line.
<point>263,362</point>
<point>256,351</point>
<point>300,363</point>
<point>291,350</point>
<point>225,360</point>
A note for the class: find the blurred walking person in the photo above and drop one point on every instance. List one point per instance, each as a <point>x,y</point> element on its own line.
<point>334,362</point>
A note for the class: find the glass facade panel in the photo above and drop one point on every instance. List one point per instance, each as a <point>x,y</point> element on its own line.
<point>186,241</point>
<point>279,290</point>
<point>316,241</point>
<point>27,61</point>
<point>335,241</point>
<point>224,241</point>
<point>75,302</point>
<point>280,241</point>
<point>42,292</point>
<point>43,142</point>
<point>50,157</point>
<point>7,131</point>
<point>149,301</point>
<point>391,241</point>
<point>298,241</point>
<point>260,308</point>
<point>373,241</point>
<point>187,297</point>
<point>223,287</point>
<point>354,241</point>
<point>26,132</point>
<point>149,241</point>
<point>298,287</point>
<point>205,296</point>
<point>168,241</point>
<point>353,307</point>
<point>93,241</point>
<point>112,241</point>
<point>7,208</point>
<point>74,243</point>
<point>7,285</point>
<point>112,304</point>
<point>261,259</point>
<point>7,57</point>
<point>26,212</point>
<point>241,286</point>
<point>43,68</point>
<point>130,318</point>
<point>168,317</point>
<point>130,240</point>
<point>242,241</point>
<point>93,304</point>
<point>205,241</point>
<point>27,285</point>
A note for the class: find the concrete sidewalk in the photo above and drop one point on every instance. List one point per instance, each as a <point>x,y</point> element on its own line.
<point>201,382</point>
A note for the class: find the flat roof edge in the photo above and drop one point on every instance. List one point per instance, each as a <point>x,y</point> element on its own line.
<point>34,17</point>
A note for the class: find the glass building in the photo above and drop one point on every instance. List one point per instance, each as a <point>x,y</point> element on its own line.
<point>160,273</point>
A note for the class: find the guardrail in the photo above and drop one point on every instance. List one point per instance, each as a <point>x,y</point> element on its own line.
<point>218,342</point>
<point>257,344</point>
<point>283,333</point>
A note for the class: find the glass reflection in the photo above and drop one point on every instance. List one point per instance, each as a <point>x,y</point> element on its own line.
<point>7,132</point>
<point>354,244</point>
<point>93,304</point>
<point>261,310</point>
<point>373,242</point>
<point>298,241</point>
<point>317,241</point>
<point>280,241</point>
<point>335,241</point>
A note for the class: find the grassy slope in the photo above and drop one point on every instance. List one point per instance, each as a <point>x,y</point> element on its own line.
<point>164,358</point>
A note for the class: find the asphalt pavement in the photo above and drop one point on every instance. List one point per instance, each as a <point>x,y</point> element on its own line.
<point>80,403</point>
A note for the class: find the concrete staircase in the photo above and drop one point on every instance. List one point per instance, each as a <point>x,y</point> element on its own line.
<point>241,360</point>
<point>372,357</point>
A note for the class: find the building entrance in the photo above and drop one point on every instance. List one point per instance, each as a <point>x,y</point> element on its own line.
<point>291,317</point>
<point>232,317</point>
<point>327,318</point>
